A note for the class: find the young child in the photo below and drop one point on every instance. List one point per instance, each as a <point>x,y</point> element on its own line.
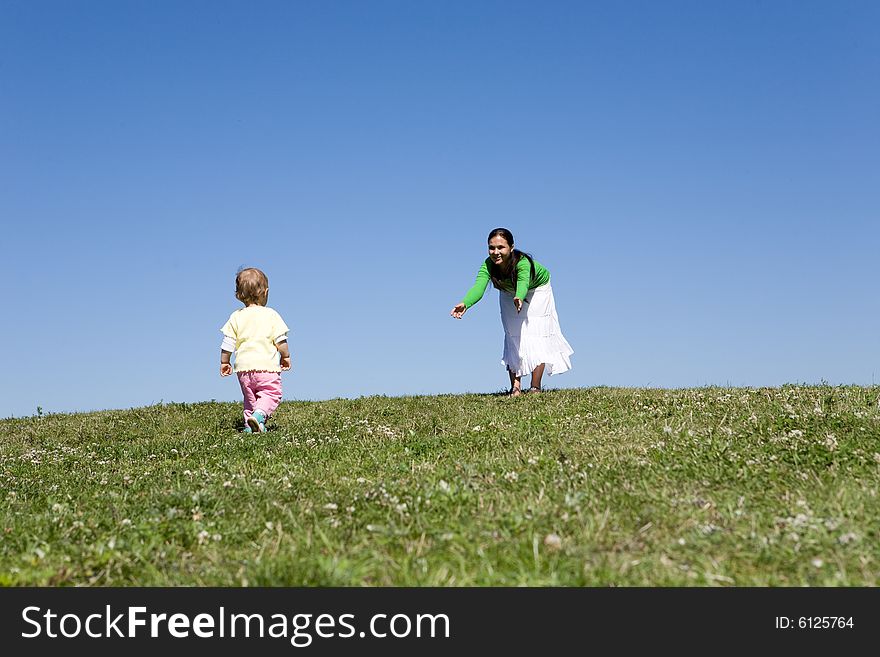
<point>257,335</point>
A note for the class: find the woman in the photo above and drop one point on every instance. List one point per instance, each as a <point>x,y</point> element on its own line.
<point>533,341</point>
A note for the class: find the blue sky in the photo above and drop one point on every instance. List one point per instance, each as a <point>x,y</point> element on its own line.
<point>701,179</point>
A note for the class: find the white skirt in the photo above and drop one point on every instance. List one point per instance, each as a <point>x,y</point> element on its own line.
<point>533,335</point>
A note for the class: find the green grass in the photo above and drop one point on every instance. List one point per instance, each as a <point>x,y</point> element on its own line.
<point>642,487</point>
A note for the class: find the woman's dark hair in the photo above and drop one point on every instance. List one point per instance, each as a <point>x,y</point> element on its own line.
<point>500,276</point>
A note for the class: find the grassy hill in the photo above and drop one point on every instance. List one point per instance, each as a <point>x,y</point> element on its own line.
<point>597,487</point>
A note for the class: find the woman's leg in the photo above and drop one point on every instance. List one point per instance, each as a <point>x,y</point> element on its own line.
<point>514,384</point>
<point>537,373</point>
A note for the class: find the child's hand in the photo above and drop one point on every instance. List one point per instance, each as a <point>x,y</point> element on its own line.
<point>458,311</point>
<point>518,303</point>
<point>285,363</point>
<point>225,369</point>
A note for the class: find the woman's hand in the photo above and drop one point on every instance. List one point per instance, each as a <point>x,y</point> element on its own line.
<point>518,303</point>
<point>285,363</point>
<point>225,369</point>
<point>458,311</point>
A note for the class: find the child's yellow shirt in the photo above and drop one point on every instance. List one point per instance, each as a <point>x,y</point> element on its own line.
<point>256,330</point>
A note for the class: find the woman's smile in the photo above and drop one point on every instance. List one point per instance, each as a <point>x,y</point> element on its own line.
<point>499,250</point>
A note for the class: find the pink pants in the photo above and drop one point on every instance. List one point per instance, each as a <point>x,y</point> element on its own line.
<point>262,391</point>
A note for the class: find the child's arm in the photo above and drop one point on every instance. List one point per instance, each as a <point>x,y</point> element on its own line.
<point>225,366</point>
<point>285,354</point>
<point>226,349</point>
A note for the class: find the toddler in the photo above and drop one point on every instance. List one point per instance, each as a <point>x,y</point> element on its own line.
<point>257,335</point>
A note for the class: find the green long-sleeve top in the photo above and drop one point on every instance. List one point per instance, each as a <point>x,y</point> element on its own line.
<point>524,281</point>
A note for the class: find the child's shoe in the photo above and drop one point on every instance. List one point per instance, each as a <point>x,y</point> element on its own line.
<point>257,422</point>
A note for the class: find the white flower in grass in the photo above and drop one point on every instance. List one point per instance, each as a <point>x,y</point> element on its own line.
<point>227,484</point>
<point>217,537</point>
<point>443,486</point>
<point>818,563</point>
<point>553,542</point>
<point>831,442</point>
<point>511,476</point>
<point>202,537</point>
<point>331,506</point>
<point>126,522</point>
<point>849,537</point>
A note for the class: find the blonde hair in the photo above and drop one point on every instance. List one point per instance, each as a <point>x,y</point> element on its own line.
<point>251,286</point>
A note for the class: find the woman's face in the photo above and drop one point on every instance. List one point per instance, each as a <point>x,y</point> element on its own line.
<point>499,250</point>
